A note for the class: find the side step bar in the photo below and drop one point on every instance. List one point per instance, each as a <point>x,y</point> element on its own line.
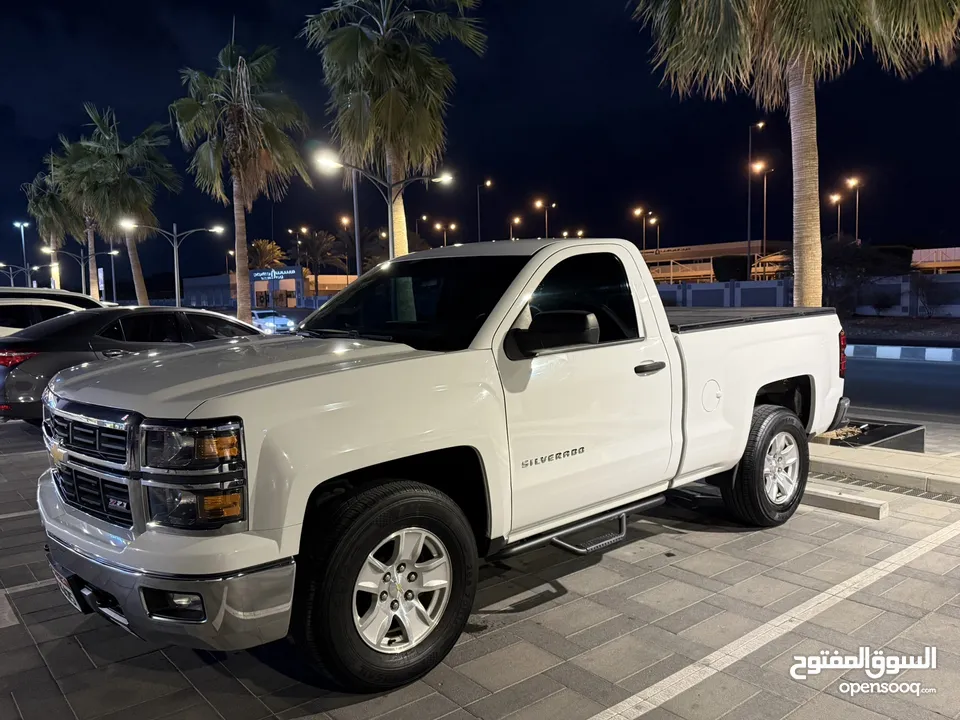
<point>600,543</point>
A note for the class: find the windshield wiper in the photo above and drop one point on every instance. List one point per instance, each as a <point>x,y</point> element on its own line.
<point>336,332</point>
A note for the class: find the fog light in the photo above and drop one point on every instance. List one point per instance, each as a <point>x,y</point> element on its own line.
<point>186,607</point>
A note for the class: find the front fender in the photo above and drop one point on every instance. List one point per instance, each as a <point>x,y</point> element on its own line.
<point>303,433</point>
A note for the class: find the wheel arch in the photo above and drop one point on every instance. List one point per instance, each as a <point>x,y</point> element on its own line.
<point>458,471</point>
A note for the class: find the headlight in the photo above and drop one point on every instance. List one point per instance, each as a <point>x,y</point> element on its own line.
<point>289,323</point>
<point>194,476</point>
<point>195,509</point>
<point>209,448</point>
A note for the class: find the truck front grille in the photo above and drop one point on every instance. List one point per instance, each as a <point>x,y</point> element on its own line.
<point>103,443</point>
<point>105,499</point>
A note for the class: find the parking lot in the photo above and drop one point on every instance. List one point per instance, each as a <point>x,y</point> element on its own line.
<point>692,617</point>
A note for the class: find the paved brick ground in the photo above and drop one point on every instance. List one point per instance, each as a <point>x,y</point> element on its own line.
<point>553,637</point>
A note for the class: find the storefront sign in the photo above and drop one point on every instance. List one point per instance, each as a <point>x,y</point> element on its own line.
<point>275,273</point>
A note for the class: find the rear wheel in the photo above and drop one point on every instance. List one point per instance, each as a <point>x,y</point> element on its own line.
<point>768,484</point>
<point>386,586</point>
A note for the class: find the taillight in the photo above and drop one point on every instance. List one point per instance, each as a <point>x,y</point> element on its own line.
<point>843,354</point>
<point>12,359</point>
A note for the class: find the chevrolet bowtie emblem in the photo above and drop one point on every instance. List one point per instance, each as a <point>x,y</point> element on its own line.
<point>57,453</point>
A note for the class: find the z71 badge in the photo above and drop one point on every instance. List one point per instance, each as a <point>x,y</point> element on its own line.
<point>559,455</point>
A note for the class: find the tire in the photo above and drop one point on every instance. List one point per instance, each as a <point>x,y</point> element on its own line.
<point>744,491</point>
<point>329,609</point>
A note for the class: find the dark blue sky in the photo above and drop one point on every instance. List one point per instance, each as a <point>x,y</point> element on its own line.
<point>563,105</point>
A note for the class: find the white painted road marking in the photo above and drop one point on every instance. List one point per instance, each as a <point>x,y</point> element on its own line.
<point>690,676</point>
<point>22,513</point>
<point>7,616</point>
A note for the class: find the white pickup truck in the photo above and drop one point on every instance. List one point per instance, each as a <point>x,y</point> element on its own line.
<point>340,486</point>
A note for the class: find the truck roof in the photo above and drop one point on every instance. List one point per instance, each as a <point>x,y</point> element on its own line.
<point>507,247</point>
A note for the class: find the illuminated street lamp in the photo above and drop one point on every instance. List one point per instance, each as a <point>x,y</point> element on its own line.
<point>440,227</point>
<point>543,205</point>
<point>638,212</point>
<point>516,220</point>
<point>485,184</point>
<point>328,162</point>
<point>174,238</point>
<point>23,243</point>
<point>754,126</point>
<point>579,233</point>
<point>854,184</point>
<point>656,221</point>
<point>230,254</point>
<point>758,168</point>
<point>565,234</point>
<point>835,198</point>
<point>80,259</point>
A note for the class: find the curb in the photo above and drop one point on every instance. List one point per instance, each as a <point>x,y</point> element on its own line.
<point>904,352</point>
<point>847,503</point>
<point>926,473</point>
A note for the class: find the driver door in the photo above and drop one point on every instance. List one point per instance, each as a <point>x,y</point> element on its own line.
<point>589,423</point>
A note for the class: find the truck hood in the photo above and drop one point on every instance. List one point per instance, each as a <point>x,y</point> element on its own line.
<point>172,384</point>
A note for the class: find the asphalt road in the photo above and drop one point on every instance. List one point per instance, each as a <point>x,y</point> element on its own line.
<point>926,393</point>
<point>927,389</point>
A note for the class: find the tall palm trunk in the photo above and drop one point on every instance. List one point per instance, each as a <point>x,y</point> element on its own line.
<point>240,253</point>
<point>395,174</point>
<point>54,265</point>
<point>92,261</point>
<point>137,271</point>
<point>807,251</point>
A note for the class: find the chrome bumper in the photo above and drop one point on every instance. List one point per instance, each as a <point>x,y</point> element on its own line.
<point>242,609</point>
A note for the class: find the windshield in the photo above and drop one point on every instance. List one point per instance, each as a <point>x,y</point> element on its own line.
<point>430,304</point>
<point>266,314</point>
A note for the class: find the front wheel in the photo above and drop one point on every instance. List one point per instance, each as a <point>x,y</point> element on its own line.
<point>386,586</point>
<point>769,482</point>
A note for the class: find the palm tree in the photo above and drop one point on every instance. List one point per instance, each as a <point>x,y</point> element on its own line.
<point>106,178</point>
<point>54,216</point>
<point>778,51</point>
<point>324,249</point>
<point>127,175</point>
<point>388,90</point>
<point>265,254</point>
<point>235,118</point>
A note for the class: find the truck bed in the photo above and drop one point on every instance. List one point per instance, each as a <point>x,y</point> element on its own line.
<point>685,320</point>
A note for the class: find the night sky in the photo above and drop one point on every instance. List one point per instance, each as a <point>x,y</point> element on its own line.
<point>564,105</point>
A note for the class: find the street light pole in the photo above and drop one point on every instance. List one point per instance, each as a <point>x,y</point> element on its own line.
<point>546,215</point>
<point>388,190</point>
<point>80,259</point>
<point>758,126</point>
<point>113,267</point>
<point>486,184</point>
<point>763,249</point>
<point>174,238</point>
<point>356,220</point>
<point>23,243</point>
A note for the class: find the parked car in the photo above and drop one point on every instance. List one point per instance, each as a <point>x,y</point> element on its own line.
<point>342,485</point>
<point>31,357</point>
<point>15,315</point>
<point>271,322</point>
<point>22,307</point>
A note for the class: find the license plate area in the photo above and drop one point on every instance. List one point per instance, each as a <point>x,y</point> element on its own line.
<point>68,589</point>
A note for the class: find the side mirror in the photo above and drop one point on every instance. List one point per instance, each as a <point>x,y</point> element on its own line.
<point>555,329</point>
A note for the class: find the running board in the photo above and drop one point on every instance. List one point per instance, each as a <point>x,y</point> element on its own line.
<point>599,543</point>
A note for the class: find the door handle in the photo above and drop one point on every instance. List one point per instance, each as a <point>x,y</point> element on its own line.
<point>649,367</point>
<point>115,353</point>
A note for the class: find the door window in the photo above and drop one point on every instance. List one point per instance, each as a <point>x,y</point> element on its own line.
<point>16,316</point>
<point>596,283</point>
<point>151,328</point>
<point>47,312</point>
<point>210,327</point>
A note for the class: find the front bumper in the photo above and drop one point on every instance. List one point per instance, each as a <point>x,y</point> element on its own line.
<point>840,417</point>
<point>242,609</point>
